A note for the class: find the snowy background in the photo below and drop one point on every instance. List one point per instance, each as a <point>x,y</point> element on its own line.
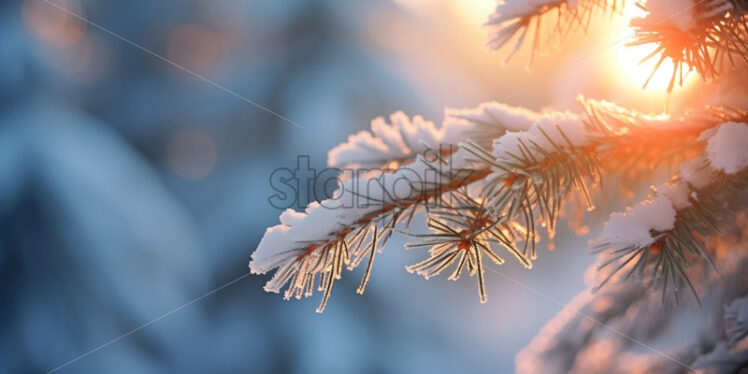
<point>129,188</point>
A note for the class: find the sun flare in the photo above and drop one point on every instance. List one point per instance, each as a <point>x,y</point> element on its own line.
<point>638,72</point>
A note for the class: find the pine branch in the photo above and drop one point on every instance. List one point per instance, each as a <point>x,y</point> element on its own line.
<point>531,184</point>
<point>542,21</point>
<point>664,235</point>
<point>630,318</point>
<point>464,231</point>
<point>702,38</point>
<point>652,140</point>
<point>349,243</point>
<point>537,180</point>
<point>532,181</point>
<point>523,184</point>
<point>398,143</point>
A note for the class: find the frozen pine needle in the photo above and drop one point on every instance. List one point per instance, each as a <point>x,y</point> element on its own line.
<point>463,233</point>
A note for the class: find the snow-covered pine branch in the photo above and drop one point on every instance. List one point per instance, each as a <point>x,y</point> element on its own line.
<point>401,140</point>
<point>533,171</point>
<point>521,183</point>
<point>613,331</point>
<point>658,234</point>
<point>329,234</point>
<point>556,346</point>
<point>700,35</point>
<point>337,231</point>
<point>541,21</point>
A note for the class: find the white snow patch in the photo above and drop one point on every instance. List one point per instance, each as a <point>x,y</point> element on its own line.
<point>677,193</point>
<point>290,216</point>
<point>727,147</point>
<point>555,129</point>
<point>632,228</point>
<point>404,137</point>
<point>296,231</point>
<point>498,115</point>
<point>697,172</point>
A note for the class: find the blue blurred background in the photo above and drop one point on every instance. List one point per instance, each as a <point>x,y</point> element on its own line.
<point>129,188</point>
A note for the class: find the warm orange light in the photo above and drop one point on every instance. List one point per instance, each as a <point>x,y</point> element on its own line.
<point>476,11</point>
<point>635,72</point>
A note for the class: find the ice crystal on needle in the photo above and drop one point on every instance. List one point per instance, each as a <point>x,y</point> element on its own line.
<point>464,233</point>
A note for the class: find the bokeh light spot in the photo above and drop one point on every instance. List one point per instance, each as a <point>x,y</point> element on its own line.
<point>191,154</point>
<point>52,25</point>
<point>193,46</point>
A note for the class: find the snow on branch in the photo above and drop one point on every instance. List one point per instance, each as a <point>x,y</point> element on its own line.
<point>659,233</point>
<point>343,230</point>
<point>482,199</point>
<point>678,14</point>
<point>614,330</point>
<point>556,347</point>
<point>651,139</point>
<point>727,147</point>
<point>633,227</point>
<point>542,21</point>
<point>533,171</point>
<point>403,138</point>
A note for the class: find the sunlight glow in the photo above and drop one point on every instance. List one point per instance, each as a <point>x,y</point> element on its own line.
<point>637,72</point>
<point>473,11</point>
